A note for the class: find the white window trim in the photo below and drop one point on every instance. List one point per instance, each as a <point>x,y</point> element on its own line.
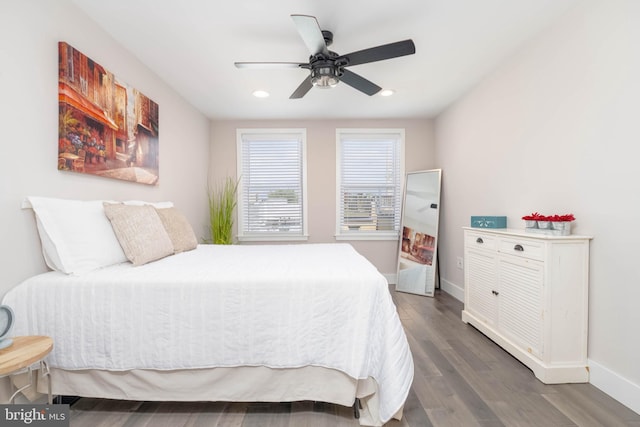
<point>279,236</point>
<point>360,235</point>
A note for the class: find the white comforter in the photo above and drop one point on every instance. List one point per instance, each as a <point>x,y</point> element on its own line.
<point>279,306</point>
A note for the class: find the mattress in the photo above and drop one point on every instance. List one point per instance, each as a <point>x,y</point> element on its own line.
<point>274,306</point>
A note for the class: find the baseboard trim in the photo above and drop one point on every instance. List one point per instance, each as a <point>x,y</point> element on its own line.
<point>452,289</point>
<point>616,386</point>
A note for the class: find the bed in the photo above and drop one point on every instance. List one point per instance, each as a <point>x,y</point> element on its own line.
<point>225,323</point>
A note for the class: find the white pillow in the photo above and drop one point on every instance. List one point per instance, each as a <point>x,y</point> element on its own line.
<point>76,235</point>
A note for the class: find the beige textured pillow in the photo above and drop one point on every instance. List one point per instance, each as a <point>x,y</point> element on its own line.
<point>178,229</point>
<point>139,231</point>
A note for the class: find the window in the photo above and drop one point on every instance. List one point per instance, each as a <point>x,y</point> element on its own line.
<point>370,167</point>
<point>272,199</point>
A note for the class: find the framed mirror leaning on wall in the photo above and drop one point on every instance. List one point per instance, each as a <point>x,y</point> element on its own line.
<point>418,246</point>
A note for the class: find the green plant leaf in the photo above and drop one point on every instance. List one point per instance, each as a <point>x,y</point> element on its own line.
<point>222,204</point>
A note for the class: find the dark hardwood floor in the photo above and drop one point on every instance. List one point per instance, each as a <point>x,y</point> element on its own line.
<point>461,379</point>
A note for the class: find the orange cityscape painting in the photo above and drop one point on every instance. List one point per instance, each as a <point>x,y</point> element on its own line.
<point>106,128</point>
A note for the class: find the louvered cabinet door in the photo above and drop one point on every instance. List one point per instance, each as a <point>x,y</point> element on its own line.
<point>520,315</point>
<point>481,277</point>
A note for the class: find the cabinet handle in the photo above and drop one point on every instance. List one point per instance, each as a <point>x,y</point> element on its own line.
<point>479,240</point>
<point>496,293</point>
<point>518,248</point>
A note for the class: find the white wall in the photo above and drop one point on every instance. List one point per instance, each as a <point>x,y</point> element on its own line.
<point>556,129</point>
<point>321,170</point>
<point>30,31</point>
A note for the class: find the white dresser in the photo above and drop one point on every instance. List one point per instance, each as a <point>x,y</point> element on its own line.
<point>529,293</point>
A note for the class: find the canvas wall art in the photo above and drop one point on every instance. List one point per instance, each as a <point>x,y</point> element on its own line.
<point>106,127</point>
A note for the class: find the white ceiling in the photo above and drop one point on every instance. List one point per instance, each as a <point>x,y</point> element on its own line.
<point>192,45</point>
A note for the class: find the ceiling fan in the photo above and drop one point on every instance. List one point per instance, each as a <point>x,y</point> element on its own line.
<point>327,68</point>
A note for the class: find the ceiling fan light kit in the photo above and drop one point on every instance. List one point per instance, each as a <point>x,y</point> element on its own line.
<point>324,77</point>
<point>327,68</point>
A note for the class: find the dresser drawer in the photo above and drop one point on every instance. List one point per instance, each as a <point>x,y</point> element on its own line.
<point>522,247</point>
<point>480,241</point>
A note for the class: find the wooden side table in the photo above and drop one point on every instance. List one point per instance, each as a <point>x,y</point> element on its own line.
<point>22,354</point>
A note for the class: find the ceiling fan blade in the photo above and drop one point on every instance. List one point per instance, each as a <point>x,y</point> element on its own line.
<point>302,90</point>
<point>268,65</point>
<point>311,33</point>
<point>360,83</point>
<point>379,53</point>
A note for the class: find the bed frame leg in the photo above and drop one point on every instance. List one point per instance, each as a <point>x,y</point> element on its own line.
<point>356,408</point>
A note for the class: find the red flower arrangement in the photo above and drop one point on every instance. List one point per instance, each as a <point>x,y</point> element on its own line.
<point>553,218</point>
<point>561,218</point>
<point>534,217</point>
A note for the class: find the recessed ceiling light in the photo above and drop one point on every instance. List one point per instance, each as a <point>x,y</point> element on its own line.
<point>386,92</point>
<point>260,93</point>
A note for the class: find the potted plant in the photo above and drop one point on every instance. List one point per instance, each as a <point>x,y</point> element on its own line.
<point>562,223</point>
<point>531,221</point>
<point>222,203</point>
<point>543,222</point>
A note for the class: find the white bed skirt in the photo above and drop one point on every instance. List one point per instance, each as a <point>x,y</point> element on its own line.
<point>240,384</point>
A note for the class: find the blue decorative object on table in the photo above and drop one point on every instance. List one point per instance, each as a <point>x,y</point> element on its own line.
<point>6,324</point>
<point>489,221</point>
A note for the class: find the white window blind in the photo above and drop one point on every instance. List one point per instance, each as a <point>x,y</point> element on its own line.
<point>370,170</point>
<point>272,194</point>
